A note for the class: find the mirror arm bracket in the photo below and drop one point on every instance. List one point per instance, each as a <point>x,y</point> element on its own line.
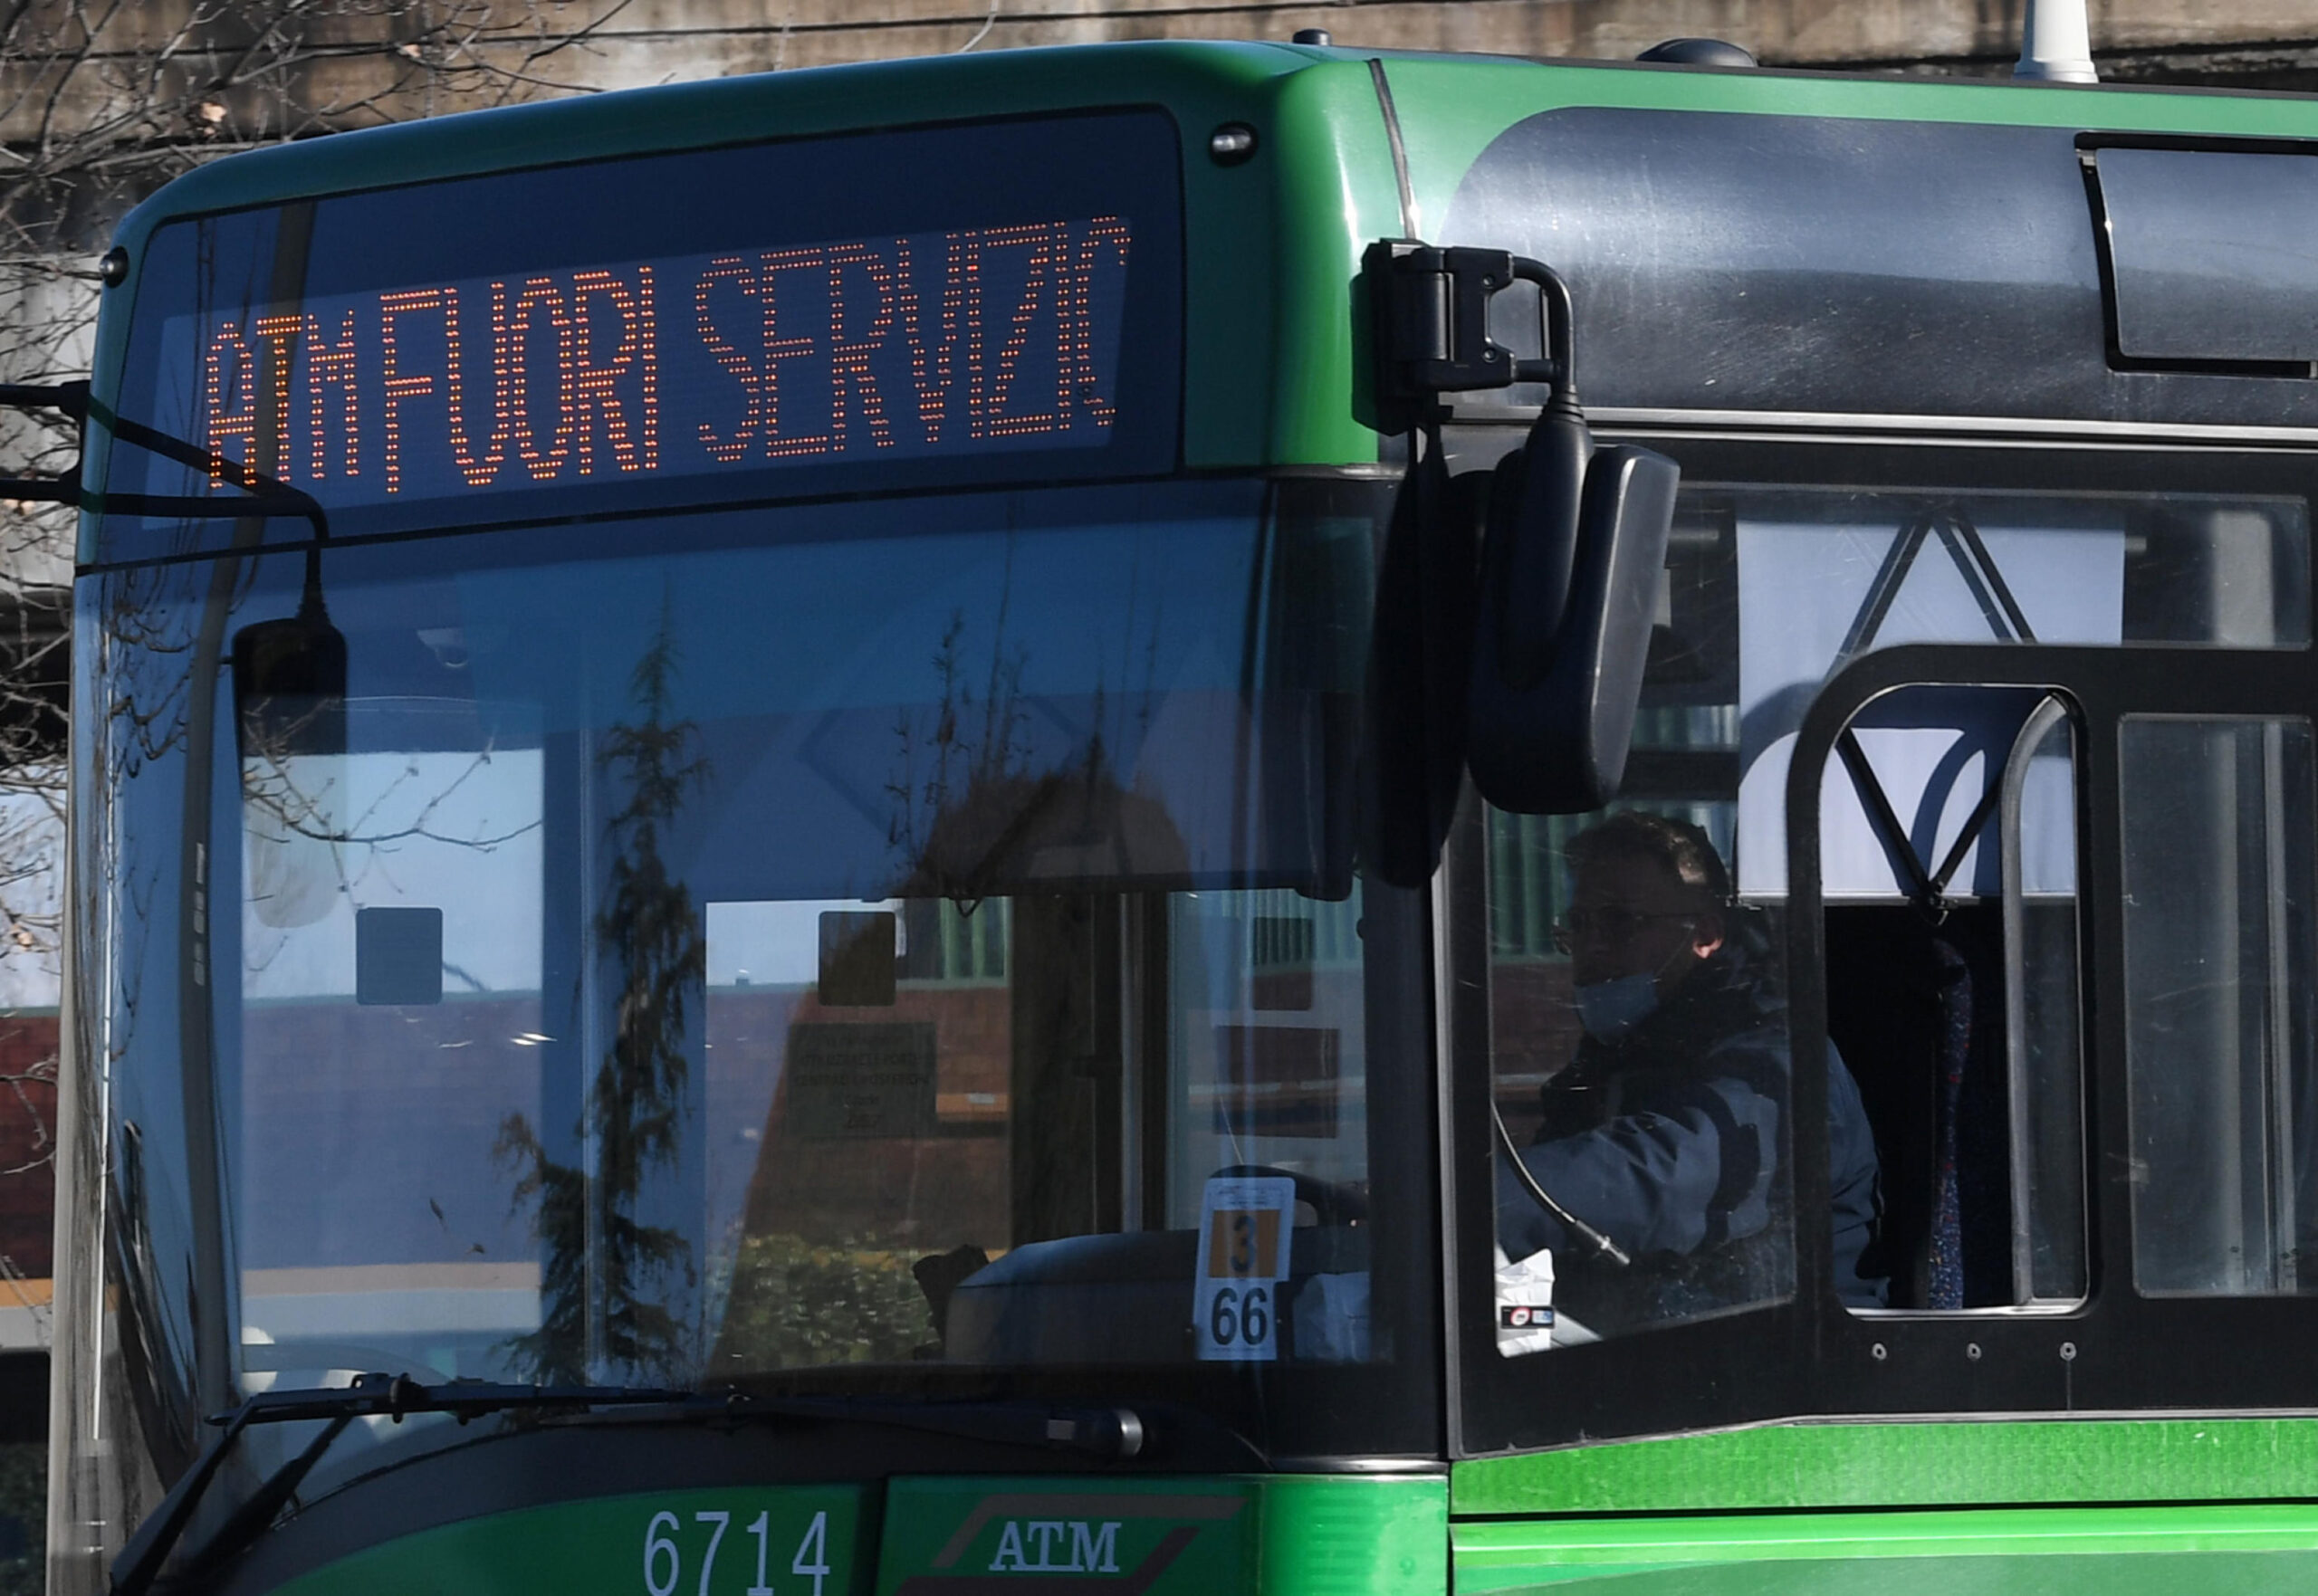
<point>1433,331</point>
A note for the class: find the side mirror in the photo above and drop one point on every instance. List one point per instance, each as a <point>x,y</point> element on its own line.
<point>1420,662</point>
<point>1567,592</point>
<point>290,681</point>
<point>1570,572</point>
<point>290,722</point>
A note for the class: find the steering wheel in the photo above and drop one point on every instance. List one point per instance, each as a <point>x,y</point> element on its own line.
<point>1333,1202</point>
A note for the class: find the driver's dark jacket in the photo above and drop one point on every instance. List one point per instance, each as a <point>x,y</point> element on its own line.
<point>1667,1141</point>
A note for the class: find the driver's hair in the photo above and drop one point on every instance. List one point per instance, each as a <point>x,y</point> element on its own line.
<point>1676,846</point>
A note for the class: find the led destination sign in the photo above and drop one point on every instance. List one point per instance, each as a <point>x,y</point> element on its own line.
<point>991,303</point>
<point>967,341</point>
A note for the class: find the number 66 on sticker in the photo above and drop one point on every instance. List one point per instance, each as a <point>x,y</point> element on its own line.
<point>1246,1226</point>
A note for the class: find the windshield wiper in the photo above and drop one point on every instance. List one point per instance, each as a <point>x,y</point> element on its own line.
<point>1109,1433</point>
<point>392,1396</point>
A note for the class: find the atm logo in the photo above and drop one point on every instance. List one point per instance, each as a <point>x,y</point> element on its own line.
<point>1093,1547</point>
<point>1043,1541</point>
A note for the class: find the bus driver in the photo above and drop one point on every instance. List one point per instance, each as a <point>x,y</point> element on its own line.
<point>1662,1132</point>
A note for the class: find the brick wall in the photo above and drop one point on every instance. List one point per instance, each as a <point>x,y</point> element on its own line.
<point>28,1123</point>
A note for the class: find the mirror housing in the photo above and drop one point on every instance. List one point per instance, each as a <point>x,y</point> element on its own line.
<point>1569,597</point>
<point>289,686</point>
<point>1420,662</point>
<point>1567,594</point>
<point>1535,527</point>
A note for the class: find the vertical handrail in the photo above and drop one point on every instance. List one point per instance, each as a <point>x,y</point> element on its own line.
<point>2050,712</point>
<point>2278,1185</point>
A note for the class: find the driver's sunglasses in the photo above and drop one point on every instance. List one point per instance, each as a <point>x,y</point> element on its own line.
<point>1610,925</point>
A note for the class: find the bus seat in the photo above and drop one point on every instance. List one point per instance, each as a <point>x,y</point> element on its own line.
<point>1917,1012</point>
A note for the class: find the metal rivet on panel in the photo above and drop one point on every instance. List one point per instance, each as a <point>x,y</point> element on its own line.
<point>1231,144</point>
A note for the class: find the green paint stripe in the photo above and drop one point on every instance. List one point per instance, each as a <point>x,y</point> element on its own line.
<point>1471,1584</point>
<point>1936,1464</point>
<point>1971,1532</point>
<point>1505,1556</point>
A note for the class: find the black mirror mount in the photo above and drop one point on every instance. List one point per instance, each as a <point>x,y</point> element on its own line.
<point>1430,324</point>
<point>1561,614</point>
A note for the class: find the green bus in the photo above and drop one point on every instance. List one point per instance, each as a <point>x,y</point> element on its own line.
<point>838,811</point>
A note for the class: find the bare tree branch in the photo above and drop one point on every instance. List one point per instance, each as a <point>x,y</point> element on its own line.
<point>101,103</point>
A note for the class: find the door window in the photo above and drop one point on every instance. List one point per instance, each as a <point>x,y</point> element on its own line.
<point>2220,992</point>
<point>1948,870</point>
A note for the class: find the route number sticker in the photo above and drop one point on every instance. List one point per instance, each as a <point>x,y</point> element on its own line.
<point>1246,1224</point>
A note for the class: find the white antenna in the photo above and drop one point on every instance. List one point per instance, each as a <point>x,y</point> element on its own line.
<point>2055,44</point>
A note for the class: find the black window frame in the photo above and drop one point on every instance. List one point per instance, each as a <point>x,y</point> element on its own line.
<point>2115,1351</point>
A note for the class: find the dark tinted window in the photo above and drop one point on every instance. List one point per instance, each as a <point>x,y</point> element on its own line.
<point>1993,743</point>
<point>2215,253</point>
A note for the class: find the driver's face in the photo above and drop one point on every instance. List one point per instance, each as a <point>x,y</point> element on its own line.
<point>1633,916</point>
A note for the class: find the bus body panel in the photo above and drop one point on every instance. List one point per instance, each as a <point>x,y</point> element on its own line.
<point>1292,1537</point>
<point>721,1540</point>
<point>1311,1535</point>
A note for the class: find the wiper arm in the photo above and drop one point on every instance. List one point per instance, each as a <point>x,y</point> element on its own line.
<point>140,1562</point>
<point>1102,1432</point>
<point>1107,1431</point>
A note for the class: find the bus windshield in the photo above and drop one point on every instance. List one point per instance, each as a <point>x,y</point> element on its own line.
<point>885,934</point>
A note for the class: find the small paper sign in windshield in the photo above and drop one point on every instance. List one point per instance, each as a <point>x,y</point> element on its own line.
<point>1247,1224</point>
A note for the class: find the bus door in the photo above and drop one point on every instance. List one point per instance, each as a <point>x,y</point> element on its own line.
<point>1945,864</point>
<point>2053,872</point>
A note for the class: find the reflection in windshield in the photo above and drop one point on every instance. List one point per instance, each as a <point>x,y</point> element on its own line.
<point>649,933</point>
<point>853,934</point>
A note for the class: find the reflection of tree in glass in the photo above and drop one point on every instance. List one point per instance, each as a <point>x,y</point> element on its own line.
<point>309,849</point>
<point>633,1117</point>
<point>964,760</point>
<point>971,806</point>
<point>795,1304</point>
